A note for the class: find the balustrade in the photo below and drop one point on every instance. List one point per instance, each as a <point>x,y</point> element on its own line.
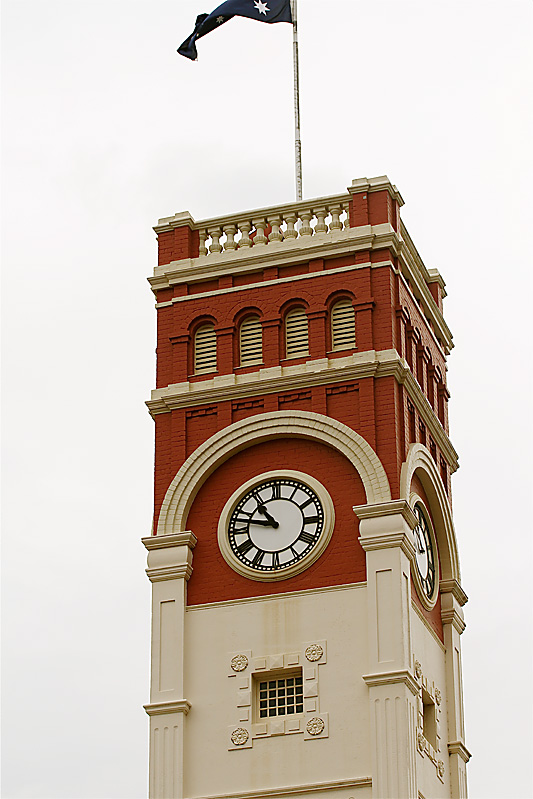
<point>281,225</point>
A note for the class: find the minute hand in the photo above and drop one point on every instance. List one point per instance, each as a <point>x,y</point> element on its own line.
<point>264,522</point>
<point>272,521</point>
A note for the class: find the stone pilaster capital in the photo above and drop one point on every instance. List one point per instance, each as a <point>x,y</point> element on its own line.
<point>451,611</point>
<point>458,748</point>
<point>385,525</point>
<point>161,708</point>
<point>392,678</point>
<point>170,556</point>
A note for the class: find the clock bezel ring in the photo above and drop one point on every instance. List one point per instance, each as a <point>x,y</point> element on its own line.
<point>309,558</point>
<point>428,602</point>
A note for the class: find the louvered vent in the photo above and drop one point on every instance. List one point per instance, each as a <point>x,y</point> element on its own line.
<point>251,341</point>
<point>297,334</point>
<point>343,326</point>
<point>205,349</point>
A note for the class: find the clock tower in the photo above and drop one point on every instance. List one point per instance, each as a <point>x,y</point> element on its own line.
<point>307,603</point>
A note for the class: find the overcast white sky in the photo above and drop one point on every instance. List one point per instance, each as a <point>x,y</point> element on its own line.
<point>106,129</point>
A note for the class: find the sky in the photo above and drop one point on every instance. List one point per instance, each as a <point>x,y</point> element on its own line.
<point>106,129</point>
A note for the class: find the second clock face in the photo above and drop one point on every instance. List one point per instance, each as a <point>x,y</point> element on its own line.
<point>425,554</point>
<point>275,524</point>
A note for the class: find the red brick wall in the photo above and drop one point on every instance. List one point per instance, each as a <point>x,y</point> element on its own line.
<point>342,562</point>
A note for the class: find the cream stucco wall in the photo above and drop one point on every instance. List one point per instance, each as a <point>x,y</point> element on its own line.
<point>263,630</point>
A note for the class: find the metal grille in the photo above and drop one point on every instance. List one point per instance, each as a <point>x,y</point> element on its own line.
<point>281,697</point>
<point>343,326</point>
<point>297,334</point>
<point>251,341</point>
<point>205,349</point>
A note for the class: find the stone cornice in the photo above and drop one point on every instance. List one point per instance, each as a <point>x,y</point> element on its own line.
<point>454,588</point>
<point>177,540</point>
<point>277,254</point>
<point>451,616</point>
<point>396,506</point>
<point>161,708</point>
<point>458,748</point>
<point>391,678</point>
<point>170,556</point>
<point>383,363</point>
<point>298,790</point>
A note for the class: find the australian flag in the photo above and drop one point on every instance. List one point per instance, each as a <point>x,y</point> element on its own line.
<point>262,10</point>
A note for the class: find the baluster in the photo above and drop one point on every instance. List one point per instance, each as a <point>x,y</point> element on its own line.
<point>276,234</point>
<point>291,219</point>
<point>260,225</point>
<point>215,234</point>
<point>245,228</point>
<point>230,231</point>
<point>306,229</point>
<point>321,226</point>
<point>347,220</point>
<point>335,211</point>
<point>203,237</point>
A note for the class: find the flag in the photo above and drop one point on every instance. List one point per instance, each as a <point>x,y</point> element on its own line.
<point>262,10</point>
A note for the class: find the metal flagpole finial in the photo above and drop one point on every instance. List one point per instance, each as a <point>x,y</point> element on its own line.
<point>297,139</point>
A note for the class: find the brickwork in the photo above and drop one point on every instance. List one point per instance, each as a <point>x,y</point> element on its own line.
<point>343,561</point>
<point>388,316</point>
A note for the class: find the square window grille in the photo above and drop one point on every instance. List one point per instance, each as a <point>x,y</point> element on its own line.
<point>280,695</point>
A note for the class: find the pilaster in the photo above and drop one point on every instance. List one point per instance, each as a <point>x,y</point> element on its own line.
<point>386,536</point>
<point>169,569</point>
<point>452,600</point>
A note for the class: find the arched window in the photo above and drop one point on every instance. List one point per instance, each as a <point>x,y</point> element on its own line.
<point>342,326</point>
<point>296,334</point>
<point>251,341</point>
<point>205,349</point>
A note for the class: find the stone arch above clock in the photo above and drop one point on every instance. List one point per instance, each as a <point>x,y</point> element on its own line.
<point>261,427</point>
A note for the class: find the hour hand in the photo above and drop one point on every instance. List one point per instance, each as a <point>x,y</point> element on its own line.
<point>264,522</point>
<point>271,520</point>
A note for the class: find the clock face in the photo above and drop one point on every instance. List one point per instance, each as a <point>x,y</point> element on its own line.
<point>275,525</point>
<point>425,553</point>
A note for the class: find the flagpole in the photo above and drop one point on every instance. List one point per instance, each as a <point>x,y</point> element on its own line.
<point>297,139</point>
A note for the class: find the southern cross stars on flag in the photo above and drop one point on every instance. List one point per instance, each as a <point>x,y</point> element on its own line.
<point>262,10</point>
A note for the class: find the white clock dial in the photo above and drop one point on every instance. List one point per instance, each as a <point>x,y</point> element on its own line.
<point>276,525</point>
<point>425,553</point>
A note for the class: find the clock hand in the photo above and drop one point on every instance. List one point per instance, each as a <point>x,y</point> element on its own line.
<point>272,521</point>
<point>265,523</point>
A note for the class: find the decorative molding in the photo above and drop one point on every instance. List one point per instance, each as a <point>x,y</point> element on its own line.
<point>453,587</point>
<point>277,379</point>
<point>261,427</point>
<point>419,458</point>
<point>314,652</point>
<point>451,616</point>
<point>418,670</point>
<point>297,790</point>
<point>391,678</point>
<point>458,748</point>
<point>239,663</point>
<point>239,736</point>
<point>162,708</point>
<point>392,508</point>
<point>276,597</point>
<point>173,540</point>
<point>170,556</point>
<point>315,726</point>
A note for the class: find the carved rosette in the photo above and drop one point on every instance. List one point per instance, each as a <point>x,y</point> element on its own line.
<point>239,736</point>
<point>418,670</point>
<point>315,726</point>
<point>314,652</point>
<point>421,741</point>
<point>438,696</point>
<point>440,768</point>
<point>239,663</point>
